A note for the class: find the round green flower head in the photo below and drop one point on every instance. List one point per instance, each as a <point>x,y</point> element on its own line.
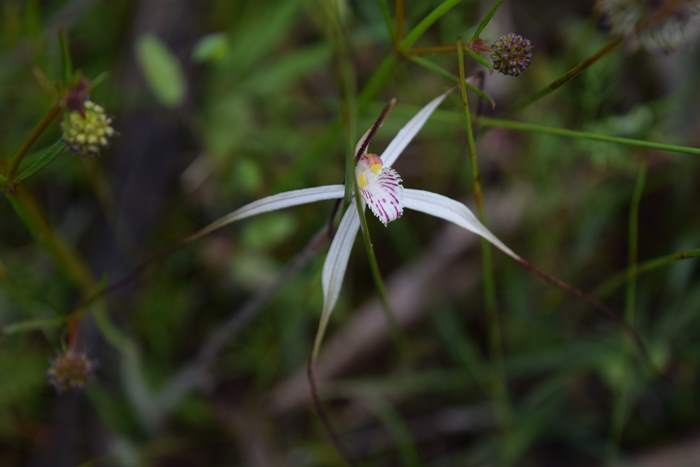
<point>70,370</point>
<point>88,130</point>
<point>511,54</point>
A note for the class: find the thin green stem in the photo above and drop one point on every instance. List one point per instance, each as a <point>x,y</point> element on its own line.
<point>38,130</point>
<point>622,400</point>
<point>387,66</point>
<point>386,14</point>
<point>73,266</point>
<point>399,13</point>
<point>568,76</point>
<point>487,19</point>
<point>347,78</point>
<point>658,18</point>
<point>431,50</point>
<point>67,63</point>
<point>535,128</point>
<point>620,278</point>
<point>415,33</point>
<point>495,331</point>
<point>29,211</point>
<point>323,415</point>
<point>394,329</point>
<point>435,68</point>
<point>632,244</point>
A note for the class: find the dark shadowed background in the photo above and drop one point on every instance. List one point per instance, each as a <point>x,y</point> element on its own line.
<point>200,359</point>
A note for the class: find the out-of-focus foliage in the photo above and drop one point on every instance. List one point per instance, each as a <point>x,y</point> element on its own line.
<point>216,104</point>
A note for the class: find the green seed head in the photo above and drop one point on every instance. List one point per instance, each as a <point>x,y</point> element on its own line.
<point>87,131</point>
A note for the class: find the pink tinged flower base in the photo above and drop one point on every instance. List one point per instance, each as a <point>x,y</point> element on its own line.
<point>380,188</point>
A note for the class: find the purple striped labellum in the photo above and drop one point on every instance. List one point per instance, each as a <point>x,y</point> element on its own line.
<point>380,188</point>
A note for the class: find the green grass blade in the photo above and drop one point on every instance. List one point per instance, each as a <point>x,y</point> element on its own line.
<point>478,58</point>
<point>34,325</point>
<point>38,160</point>
<point>633,243</point>
<point>619,279</point>
<point>438,70</point>
<point>415,33</point>
<point>386,15</point>
<point>535,128</point>
<point>487,19</point>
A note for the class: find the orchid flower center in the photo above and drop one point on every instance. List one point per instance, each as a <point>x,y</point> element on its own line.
<point>380,188</point>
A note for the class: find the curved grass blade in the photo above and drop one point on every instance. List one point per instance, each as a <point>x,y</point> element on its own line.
<point>38,160</point>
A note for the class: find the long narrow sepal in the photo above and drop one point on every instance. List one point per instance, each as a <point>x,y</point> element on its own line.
<point>410,130</point>
<point>273,203</point>
<point>334,269</point>
<point>452,211</point>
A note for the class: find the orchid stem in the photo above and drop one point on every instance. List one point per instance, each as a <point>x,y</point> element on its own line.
<point>394,329</point>
<point>323,415</point>
<point>350,114</point>
<point>495,329</point>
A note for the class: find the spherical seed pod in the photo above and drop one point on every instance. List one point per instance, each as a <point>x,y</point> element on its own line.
<point>511,54</point>
<point>70,370</point>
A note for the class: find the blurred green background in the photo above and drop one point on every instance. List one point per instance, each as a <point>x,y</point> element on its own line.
<point>200,360</point>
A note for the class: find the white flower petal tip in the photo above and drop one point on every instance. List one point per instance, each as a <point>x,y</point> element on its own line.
<point>380,188</point>
<point>453,211</point>
<point>410,130</point>
<point>273,203</point>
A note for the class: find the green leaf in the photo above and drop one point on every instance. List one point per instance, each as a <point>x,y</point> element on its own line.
<point>36,161</point>
<point>162,70</point>
<point>211,48</point>
<point>415,33</point>
<point>478,58</point>
<point>3,181</point>
<point>487,19</point>
<point>40,324</point>
<point>269,27</point>
<point>435,68</point>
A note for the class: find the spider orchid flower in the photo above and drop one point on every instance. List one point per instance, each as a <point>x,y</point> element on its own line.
<point>382,190</point>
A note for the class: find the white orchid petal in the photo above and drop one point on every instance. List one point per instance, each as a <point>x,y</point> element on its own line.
<point>273,203</point>
<point>451,211</point>
<point>409,131</point>
<point>334,268</point>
